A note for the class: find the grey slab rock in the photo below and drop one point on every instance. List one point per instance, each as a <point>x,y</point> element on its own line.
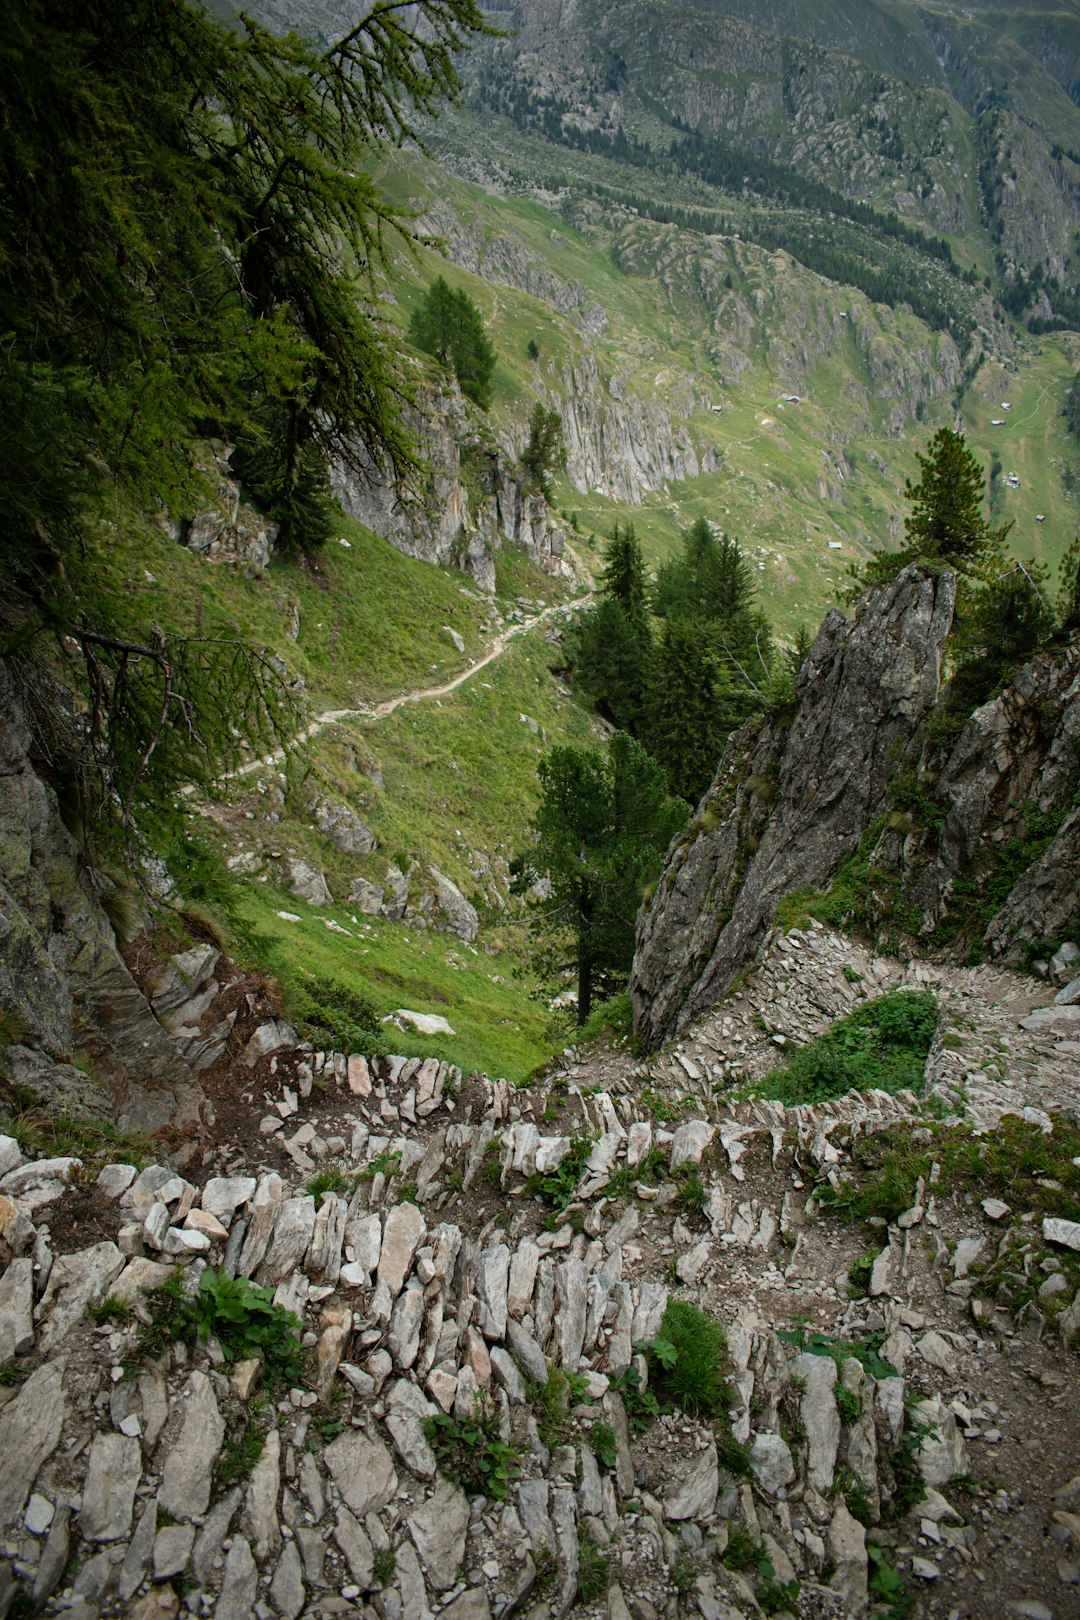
<point>492,1281</point>
<point>139,1552</point>
<point>571,1282</point>
<point>1066,1234</point>
<point>76,1280</point>
<point>54,1555</point>
<point>406,1320</point>
<point>470,1605</point>
<point>404,1228</point>
<point>820,1418</point>
<point>362,1470</point>
<point>289,1240</point>
<point>770,1463</point>
<point>845,1540</point>
<point>17,1309</point>
<point>211,1537</point>
<point>533,1504</point>
<point>355,1546</point>
<point>112,1478</point>
<point>287,1595</point>
<point>695,1497</point>
<point>506,1373</point>
<point>522,1278</point>
<point>224,1195</point>
<point>406,1409</point>
<point>526,1352</point>
<point>261,1498</point>
<point>30,1429</point>
<point>410,1579</point>
<point>312,1546</point>
<point>239,1583</point>
<point>438,1531</point>
<point>690,1141</point>
<point>186,1477</point>
<point>942,1453</point>
<point>172,1549</point>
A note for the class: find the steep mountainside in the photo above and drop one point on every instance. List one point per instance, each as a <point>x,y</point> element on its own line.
<point>857,808</point>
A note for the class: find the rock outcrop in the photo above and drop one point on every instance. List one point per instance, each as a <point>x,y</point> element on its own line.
<point>473,503</point>
<point>61,973</point>
<point>791,799</point>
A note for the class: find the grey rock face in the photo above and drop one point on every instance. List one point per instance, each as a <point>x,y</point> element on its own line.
<point>806,794</point>
<point>60,966</point>
<point>344,829</point>
<point>442,905</point>
<point>438,1529</point>
<point>187,1475</point>
<point>109,1492</point>
<point>30,1428</point>
<point>363,1471</point>
<point>307,884</point>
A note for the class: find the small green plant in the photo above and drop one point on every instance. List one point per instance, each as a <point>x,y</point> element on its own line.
<point>860,1272</point>
<point>383,1566</point>
<point>408,1193</point>
<point>882,1044</point>
<point>491,1166</point>
<point>613,1018</point>
<point>743,1550</point>
<point>332,1179</point>
<point>556,1187</point>
<point>850,974</point>
<point>110,1309</point>
<point>12,1372</point>
<point>690,1196</point>
<point>245,1437</point>
<point>685,1362</point>
<point>602,1436</point>
<point>849,1404</point>
<point>860,1504</point>
<point>683,1571</point>
<point>661,1110</point>
<point>887,1585</point>
<point>242,1317</point>
<point>909,1486</point>
<point>641,1405</point>
<point>774,1595</point>
<point>865,1351</point>
<point>472,1453</point>
<point>592,1568</point>
<point>383,1164</point>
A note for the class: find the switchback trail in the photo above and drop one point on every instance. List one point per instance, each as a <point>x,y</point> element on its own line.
<point>381,711</point>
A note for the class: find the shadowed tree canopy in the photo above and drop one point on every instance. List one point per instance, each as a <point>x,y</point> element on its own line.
<point>602,826</point>
<point>190,243</point>
<point>448,325</point>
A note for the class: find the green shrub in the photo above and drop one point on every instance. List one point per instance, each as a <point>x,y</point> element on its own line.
<point>686,1362</point>
<point>883,1044</point>
<point>242,1317</point>
<point>473,1454</point>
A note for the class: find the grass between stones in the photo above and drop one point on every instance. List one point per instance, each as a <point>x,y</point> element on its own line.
<point>882,1044</point>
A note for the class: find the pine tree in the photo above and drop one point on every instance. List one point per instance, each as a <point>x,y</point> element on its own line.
<point>687,720</point>
<point>603,824</point>
<point>544,452</point>
<point>611,667</point>
<point>946,521</point>
<point>448,325</point>
<point>624,578</point>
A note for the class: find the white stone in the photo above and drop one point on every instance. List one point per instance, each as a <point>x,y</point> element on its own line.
<point>1065,1233</point>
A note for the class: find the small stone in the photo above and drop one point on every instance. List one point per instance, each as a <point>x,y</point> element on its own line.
<point>39,1515</point>
<point>112,1479</point>
<point>771,1463</point>
<point>995,1209</point>
<point>438,1530</point>
<point>924,1569</point>
<point>1065,1233</point>
<point>696,1496</point>
<point>363,1471</point>
<point>172,1549</point>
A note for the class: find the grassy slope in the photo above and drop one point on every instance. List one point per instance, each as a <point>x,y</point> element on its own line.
<point>783,486</point>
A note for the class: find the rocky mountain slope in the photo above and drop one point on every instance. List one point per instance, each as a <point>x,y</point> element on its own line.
<point>481,1276</point>
<point>971,839</point>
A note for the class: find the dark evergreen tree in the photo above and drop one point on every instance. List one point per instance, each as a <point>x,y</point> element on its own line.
<point>544,452</point>
<point>946,522</point>
<point>611,666</point>
<point>689,711</point>
<point>603,824</point>
<point>448,325</point>
<point>624,578</point>
<point>184,206</point>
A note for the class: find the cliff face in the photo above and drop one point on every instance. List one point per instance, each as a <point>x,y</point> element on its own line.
<point>471,503</point>
<point>973,845</point>
<point>788,804</point>
<point>61,972</point>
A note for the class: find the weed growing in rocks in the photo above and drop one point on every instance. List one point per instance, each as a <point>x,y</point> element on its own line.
<point>592,1568</point>
<point>245,1436</point>
<point>240,1316</point>
<point>884,1044</point>
<point>472,1454</point>
<point>110,1309</point>
<point>42,1135</point>
<point>686,1361</point>
<point>331,1179</point>
<point>556,1187</point>
<point>691,1196</point>
<point>864,1351</point>
<point>383,1566</point>
<point>887,1585</point>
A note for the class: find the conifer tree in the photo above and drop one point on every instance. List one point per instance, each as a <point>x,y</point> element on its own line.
<point>687,719</point>
<point>448,325</point>
<point>603,824</point>
<point>624,578</point>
